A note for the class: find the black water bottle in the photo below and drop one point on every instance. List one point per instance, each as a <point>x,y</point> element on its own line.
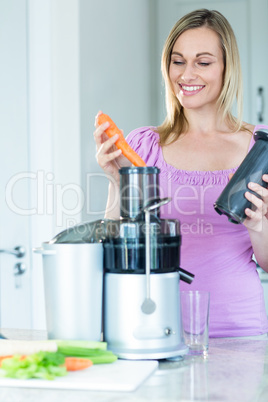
<point>232,201</point>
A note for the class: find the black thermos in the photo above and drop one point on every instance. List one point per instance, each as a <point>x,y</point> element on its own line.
<point>232,201</point>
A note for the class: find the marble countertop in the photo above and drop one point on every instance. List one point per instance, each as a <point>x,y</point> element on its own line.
<point>235,370</point>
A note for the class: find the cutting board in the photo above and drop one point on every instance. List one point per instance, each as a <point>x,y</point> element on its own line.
<point>122,375</point>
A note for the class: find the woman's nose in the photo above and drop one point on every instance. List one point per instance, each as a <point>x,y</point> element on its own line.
<point>188,73</point>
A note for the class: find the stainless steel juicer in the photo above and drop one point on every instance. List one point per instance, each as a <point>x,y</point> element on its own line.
<point>128,280</point>
<point>142,317</point>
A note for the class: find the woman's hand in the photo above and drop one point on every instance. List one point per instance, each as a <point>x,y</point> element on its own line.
<point>108,156</point>
<point>255,218</point>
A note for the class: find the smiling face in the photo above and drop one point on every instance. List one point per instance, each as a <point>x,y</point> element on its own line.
<point>196,68</point>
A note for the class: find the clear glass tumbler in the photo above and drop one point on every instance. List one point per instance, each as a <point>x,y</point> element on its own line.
<point>195,320</point>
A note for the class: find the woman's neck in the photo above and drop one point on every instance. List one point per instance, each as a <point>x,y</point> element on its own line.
<point>206,123</point>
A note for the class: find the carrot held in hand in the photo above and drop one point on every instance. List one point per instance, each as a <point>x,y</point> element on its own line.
<point>121,143</point>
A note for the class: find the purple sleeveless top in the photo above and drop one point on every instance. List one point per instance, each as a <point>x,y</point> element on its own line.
<point>217,251</point>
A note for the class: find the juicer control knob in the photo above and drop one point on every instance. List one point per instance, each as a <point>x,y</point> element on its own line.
<point>168,331</point>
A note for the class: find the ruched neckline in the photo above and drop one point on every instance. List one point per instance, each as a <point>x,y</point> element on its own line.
<point>145,141</point>
<point>195,177</point>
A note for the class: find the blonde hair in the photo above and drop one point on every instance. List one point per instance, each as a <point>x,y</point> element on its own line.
<point>175,121</point>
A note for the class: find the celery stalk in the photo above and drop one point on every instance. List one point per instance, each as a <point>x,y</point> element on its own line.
<point>82,344</point>
<point>95,351</point>
<point>46,365</point>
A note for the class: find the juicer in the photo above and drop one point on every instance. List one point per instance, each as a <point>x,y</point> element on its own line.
<point>142,317</point>
<point>118,280</point>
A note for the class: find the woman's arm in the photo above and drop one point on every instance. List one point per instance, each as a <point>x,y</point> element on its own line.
<point>113,201</point>
<point>257,222</point>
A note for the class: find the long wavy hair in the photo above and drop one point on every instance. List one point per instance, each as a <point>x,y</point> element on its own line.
<point>175,122</point>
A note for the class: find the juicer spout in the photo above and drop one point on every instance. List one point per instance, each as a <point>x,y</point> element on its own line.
<point>186,276</point>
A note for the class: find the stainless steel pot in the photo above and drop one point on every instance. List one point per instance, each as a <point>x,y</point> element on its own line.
<point>73,285</point>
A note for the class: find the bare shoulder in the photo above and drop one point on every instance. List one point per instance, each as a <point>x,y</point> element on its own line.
<point>248,127</point>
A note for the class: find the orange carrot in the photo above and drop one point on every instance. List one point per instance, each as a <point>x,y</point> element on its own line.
<point>4,357</point>
<point>22,357</point>
<point>121,143</point>
<point>77,363</point>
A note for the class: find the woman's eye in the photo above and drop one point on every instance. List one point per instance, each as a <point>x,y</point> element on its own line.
<point>203,64</point>
<point>178,63</point>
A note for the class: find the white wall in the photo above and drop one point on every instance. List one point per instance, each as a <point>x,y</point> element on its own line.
<point>54,127</point>
<point>115,78</point>
<point>83,56</point>
<point>65,67</point>
<point>54,119</point>
<point>15,294</point>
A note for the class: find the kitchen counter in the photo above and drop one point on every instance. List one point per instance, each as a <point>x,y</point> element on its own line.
<point>235,370</point>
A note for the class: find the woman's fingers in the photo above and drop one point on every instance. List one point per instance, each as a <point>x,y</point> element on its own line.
<point>254,199</point>
<point>265,178</point>
<point>106,152</point>
<point>103,158</point>
<point>261,191</point>
<point>99,134</point>
<point>260,206</point>
<point>96,118</point>
<point>107,145</point>
<point>109,158</point>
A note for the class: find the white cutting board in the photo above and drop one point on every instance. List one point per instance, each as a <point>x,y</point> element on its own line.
<point>122,375</point>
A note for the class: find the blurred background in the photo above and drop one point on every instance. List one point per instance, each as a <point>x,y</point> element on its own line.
<point>61,62</point>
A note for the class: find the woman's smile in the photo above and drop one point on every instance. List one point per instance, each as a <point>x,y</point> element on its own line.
<point>189,90</point>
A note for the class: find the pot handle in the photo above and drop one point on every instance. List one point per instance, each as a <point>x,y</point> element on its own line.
<point>40,250</point>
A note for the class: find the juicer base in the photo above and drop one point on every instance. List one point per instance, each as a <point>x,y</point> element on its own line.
<point>154,354</point>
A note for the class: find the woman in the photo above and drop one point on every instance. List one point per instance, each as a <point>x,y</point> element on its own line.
<point>197,148</point>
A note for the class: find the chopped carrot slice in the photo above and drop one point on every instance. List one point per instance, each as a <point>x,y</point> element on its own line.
<point>77,363</point>
<point>4,357</point>
<point>22,357</point>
